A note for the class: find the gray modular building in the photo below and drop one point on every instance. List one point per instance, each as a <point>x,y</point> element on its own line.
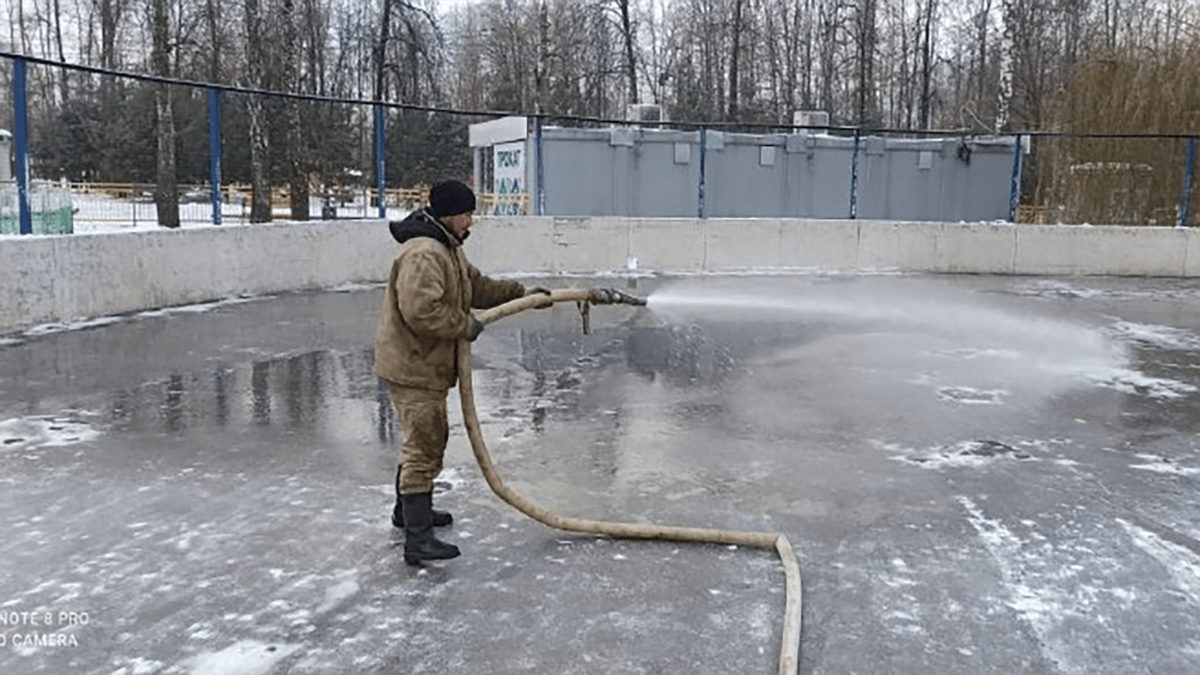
<point>646,172</point>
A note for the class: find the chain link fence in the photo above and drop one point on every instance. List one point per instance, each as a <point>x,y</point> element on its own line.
<point>87,148</point>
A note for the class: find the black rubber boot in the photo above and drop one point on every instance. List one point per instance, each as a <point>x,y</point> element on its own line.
<point>419,543</point>
<point>440,518</point>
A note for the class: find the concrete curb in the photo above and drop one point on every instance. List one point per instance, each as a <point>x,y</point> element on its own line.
<point>51,279</point>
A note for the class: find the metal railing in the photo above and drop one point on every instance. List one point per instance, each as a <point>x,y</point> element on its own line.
<point>362,158</point>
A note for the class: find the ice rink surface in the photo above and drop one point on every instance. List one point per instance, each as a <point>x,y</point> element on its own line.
<point>985,475</point>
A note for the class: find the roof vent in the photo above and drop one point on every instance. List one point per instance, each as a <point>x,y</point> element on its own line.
<point>810,118</point>
<point>645,112</point>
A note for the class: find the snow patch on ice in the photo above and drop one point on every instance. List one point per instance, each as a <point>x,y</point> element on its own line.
<point>338,593</point>
<point>963,454</point>
<point>138,666</point>
<point>62,327</point>
<point>352,287</point>
<point>899,607</point>
<point>450,478</point>
<point>1042,608</point>
<point>1059,289</point>
<point>972,396</point>
<point>247,657</point>
<point>197,308</point>
<point>23,433</point>
<point>1133,382</point>
<point>1180,563</point>
<point>1165,337</point>
<point>1159,464</point>
<point>967,353</point>
<point>96,322</point>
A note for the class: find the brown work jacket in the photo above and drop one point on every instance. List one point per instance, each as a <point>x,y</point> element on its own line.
<point>430,291</point>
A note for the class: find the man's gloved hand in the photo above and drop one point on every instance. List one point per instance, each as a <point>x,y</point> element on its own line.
<point>611,296</point>
<point>474,327</point>
<point>604,296</point>
<point>538,290</point>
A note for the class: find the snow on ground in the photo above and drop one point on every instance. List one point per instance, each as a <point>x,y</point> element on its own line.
<point>96,214</point>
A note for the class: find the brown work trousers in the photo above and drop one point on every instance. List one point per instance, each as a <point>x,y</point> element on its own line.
<point>425,429</point>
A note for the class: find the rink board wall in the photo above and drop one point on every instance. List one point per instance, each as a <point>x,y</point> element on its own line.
<point>48,279</point>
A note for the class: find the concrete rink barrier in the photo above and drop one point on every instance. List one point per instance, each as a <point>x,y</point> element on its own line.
<point>53,279</point>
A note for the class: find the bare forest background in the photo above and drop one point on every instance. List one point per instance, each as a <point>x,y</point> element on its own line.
<point>976,66</point>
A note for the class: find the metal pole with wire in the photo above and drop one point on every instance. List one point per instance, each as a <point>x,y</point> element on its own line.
<point>214,149</point>
<point>1185,209</point>
<point>21,127</point>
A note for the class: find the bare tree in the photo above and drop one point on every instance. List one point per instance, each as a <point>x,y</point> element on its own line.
<point>866,37</point>
<point>294,149</point>
<point>1008,48</point>
<point>927,62</point>
<point>629,37</point>
<point>408,53</point>
<point>734,52</point>
<point>256,76</point>
<point>166,193</point>
<point>216,41</point>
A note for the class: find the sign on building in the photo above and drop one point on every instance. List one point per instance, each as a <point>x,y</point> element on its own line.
<point>509,176</point>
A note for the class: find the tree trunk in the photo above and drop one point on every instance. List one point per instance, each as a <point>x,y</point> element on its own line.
<point>297,175</point>
<point>1007,52</point>
<point>630,63</point>
<point>735,52</point>
<point>62,55</point>
<point>926,64</point>
<point>982,39</point>
<point>385,24</point>
<point>166,193</point>
<point>866,63</point>
<point>260,184</point>
<point>212,17</point>
<point>260,199</point>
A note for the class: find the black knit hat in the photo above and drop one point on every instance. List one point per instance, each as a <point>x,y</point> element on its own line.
<point>450,198</point>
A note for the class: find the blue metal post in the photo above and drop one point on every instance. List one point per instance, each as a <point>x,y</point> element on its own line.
<point>854,176</point>
<point>380,192</point>
<point>1014,188</point>
<point>703,153</point>
<point>1185,209</point>
<point>214,153</point>
<point>540,197</point>
<point>21,113</point>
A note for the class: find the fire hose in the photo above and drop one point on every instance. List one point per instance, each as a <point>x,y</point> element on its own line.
<point>790,651</point>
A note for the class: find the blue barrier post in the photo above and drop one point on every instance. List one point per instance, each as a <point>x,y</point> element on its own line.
<point>703,149</point>
<point>1014,187</point>
<point>1185,209</point>
<point>854,177</point>
<point>21,124</point>
<point>540,197</point>
<point>214,152</point>
<point>380,192</point>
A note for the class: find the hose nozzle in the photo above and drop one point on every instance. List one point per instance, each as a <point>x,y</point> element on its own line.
<point>611,296</point>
